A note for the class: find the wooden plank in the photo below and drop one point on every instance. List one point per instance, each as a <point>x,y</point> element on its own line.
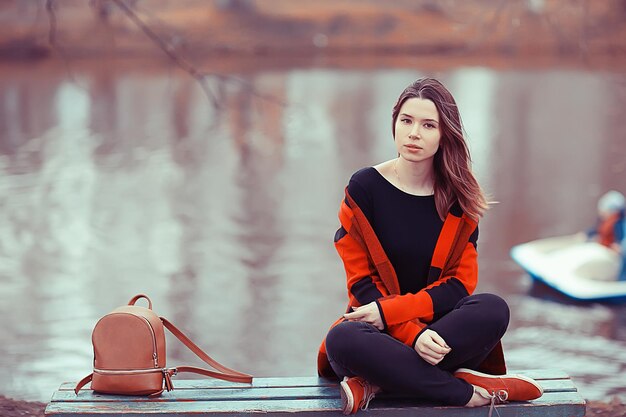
<point>552,405</point>
<point>305,381</point>
<point>312,381</point>
<point>540,374</point>
<point>558,385</point>
<point>311,392</point>
<point>546,398</point>
<point>258,394</point>
<point>548,385</point>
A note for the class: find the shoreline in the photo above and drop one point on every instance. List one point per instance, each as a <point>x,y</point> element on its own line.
<point>194,29</point>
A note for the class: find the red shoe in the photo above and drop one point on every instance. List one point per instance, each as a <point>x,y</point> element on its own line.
<point>503,387</point>
<point>356,393</point>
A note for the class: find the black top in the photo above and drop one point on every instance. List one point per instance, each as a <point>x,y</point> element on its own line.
<point>406,225</point>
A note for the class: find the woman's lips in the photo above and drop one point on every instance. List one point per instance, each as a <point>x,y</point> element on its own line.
<point>413,148</point>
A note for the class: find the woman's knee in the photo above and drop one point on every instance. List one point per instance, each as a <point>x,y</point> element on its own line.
<point>342,338</point>
<point>492,311</point>
<point>496,309</point>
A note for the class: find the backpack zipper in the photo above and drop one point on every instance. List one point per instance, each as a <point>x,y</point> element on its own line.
<point>127,371</point>
<point>155,358</point>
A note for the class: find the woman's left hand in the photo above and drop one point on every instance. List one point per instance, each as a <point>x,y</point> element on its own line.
<point>368,314</point>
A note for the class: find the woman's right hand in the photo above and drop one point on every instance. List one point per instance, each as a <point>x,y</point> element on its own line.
<point>431,347</point>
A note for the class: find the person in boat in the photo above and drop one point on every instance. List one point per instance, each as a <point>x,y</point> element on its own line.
<point>610,228</point>
<point>408,238</point>
<point>622,250</point>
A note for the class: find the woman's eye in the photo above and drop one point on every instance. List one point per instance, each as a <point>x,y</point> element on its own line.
<point>405,121</point>
<point>429,126</point>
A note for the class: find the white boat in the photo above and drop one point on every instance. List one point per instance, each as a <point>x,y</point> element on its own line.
<point>579,269</point>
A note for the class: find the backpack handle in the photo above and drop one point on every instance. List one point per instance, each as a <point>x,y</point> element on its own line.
<point>137,297</point>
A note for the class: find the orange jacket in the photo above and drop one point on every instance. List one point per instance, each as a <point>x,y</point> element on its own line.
<point>453,275</point>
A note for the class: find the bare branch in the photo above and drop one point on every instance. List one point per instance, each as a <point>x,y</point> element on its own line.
<point>199,76</point>
<point>52,18</point>
<point>52,39</point>
<point>169,51</point>
<point>255,92</point>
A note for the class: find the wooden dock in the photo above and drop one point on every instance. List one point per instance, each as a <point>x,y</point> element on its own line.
<point>303,395</point>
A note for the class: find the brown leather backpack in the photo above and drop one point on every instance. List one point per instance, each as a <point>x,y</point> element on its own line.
<point>129,354</point>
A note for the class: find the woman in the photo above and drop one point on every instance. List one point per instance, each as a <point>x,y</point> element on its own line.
<point>408,242</point>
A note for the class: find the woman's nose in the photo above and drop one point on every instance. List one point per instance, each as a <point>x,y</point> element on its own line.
<point>415,132</point>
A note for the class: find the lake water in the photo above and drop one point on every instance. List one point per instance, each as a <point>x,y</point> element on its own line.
<point>117,180</point>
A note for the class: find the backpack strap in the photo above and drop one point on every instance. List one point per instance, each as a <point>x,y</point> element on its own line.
<point>82,383</point>
<point>224,372</point>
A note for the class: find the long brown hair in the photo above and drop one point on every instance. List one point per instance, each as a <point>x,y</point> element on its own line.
<point>454,180</point>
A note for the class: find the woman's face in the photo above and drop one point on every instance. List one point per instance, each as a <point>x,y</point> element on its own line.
<point>417,130</point>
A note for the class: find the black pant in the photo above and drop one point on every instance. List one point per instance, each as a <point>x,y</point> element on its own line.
<point>471,329</point>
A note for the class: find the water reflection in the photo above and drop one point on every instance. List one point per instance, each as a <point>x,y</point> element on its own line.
<point>130,181</point>
<point>587,340</point>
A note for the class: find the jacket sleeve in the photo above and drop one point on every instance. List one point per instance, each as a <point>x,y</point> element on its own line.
<point>406,332</point>
<point>438,298</point>
<point>363,282</point>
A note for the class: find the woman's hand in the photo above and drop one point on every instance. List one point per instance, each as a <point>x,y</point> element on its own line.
<point>431,347</point>
<point>368,314</point>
